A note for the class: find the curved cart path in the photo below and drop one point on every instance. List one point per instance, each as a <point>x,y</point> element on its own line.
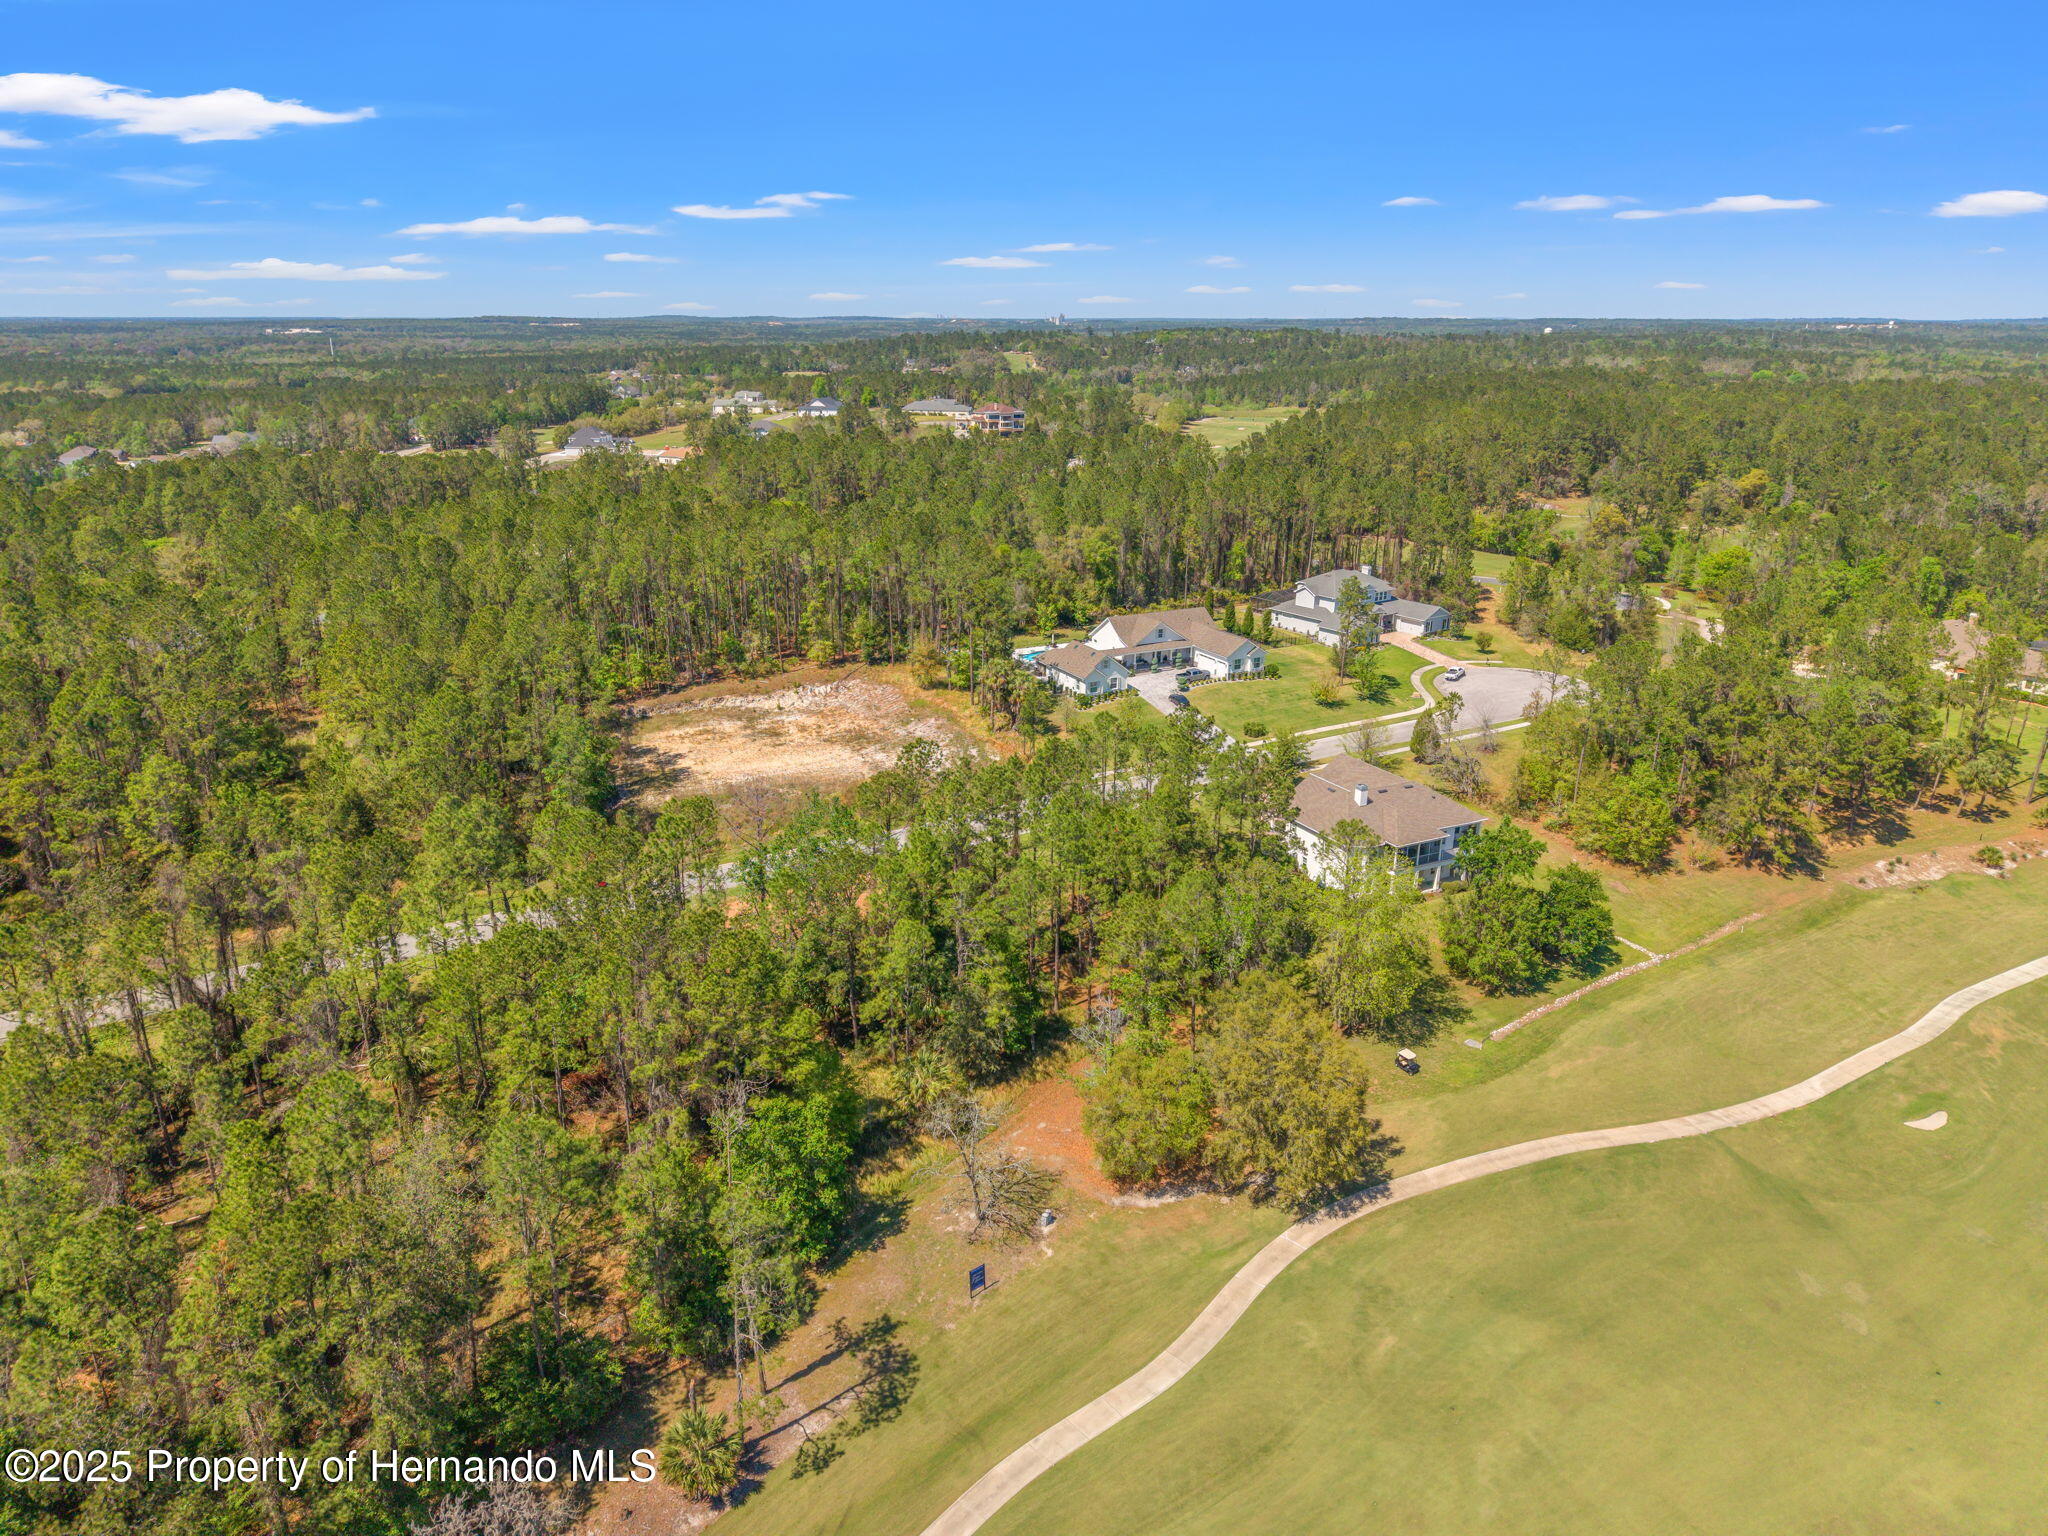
<point>1009,1476</point>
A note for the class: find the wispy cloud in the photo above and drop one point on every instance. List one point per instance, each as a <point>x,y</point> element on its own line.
<point>9,203</point>
<point>222,301</point>
<point>184,176</point>
<point>689,304</point>
<point>1411,202</point>
<point>65,288</point>
<point>608,293</point>
<point>1065,245</point>
<point>1004,262</point>
<point>1438,303</point>
<point>1212,288</point>
<point>1752,202</point>
<point>300,271</point>
<point>15,259</point>
<point>211,115</point>
<point>1989,250</point>
<point>776,205</point>
<point>1991,205</point>
<point>1105,298</point>
<point>111,258</point>
<point>1890,128</point>
<point>512,224</point>
<point>1324,288</point>
<point>1511,295</point>
<point>837,298</point>
<point>9,139</point>
<point>413,259</point>
<point>1221,261</point>
<point>635,256</point>
<point>1574,202</point>
<point>1680,285</point>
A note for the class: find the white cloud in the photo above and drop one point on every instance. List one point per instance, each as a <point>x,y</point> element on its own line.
<point>1576,202</point>
<point>1411,202</point>
<point>222,301</point>
<point>1752,202</point>
<point>776,205</point>
<point>1221,261</point>
<point>413,259</point>
<point>1103,298</point>
<point>1890,128</point>
<point>609,293</point>
<point>371,202</point>
<point>1212,288</point>
<point>9,203</point>
<point>1681,285</point>
<point>996,303</point>
<point>1991,205</point>
<point>1989,250</point>
<point>689,304</point>
<point>226,114</point>
<point>110,259</point>
<point>12,140</point>
<point>300,271</point>
<point>501,224</point>
<point>634,256</point>
<point>171,176</point>
<point>838,298</point>
<point>1065,245</point>
<point>1438,303</point>
<point>1511,295</point>
<point>12,259</point>
<point>1324,288</point>
<point>66,288</point>
<point>990,261</point>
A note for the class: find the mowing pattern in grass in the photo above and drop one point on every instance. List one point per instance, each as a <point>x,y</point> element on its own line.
<point>1234,426</point>
<point>1823,1322</point>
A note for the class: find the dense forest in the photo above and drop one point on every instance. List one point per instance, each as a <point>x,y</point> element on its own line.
<point>381,1077</point>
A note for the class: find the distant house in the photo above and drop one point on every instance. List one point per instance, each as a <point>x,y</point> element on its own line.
<point>1001,420</point>
<point>78,455</point>
<point>752,401</point>
<point>1312,610</point>
<point>823,406</point>
<point>674,455</point>
<point>1964,640</point>
<point>1422,827</point>
<point>939,408</point>
<point>1405,618</point>
<point>594,440</point>
<point>1127,643</point>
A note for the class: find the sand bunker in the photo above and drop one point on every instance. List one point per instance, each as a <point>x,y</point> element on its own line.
<point>1933,1122</point>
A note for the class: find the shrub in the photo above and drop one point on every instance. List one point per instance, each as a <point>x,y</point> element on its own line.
<point>700,1453</point>
<point>527,1403</point>
<point>1990,857</point>
<point>1255,728</point>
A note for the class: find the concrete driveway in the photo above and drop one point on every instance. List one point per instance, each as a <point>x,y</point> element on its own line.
<point>1486,695</point>
<point>1153,687</point>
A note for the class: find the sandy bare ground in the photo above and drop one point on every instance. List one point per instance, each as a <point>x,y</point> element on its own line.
<point>824,736</point>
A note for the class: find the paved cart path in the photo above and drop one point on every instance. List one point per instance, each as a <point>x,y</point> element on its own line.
<point>1010,1475</point>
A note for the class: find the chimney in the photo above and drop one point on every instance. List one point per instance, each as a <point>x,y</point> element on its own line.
<point>1365,570</point>
<point>1360,795</point>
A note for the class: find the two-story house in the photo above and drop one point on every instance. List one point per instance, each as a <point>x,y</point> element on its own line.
<point>1312,611</point>
<point>1128,643</point>
<point>1419,825</point>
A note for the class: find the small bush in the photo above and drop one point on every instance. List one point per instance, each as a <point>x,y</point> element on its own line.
<point>1990,857</point>
<point>1255,727</point>
<point>700,1453</point>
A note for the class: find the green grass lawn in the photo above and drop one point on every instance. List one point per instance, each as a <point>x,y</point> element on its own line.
<point>1538,1352</point>
<point>1232,425</point>
<point>667,437</point>
<point>1282,700</point>
<point>1822,1323</point>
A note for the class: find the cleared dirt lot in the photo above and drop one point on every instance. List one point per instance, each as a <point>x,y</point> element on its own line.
<point>754,750</point>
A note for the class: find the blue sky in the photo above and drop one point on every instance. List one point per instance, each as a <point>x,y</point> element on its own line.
<point>1196,159</point>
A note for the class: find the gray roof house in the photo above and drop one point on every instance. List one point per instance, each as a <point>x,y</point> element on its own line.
<point>1422,826</point>
<point>823,405</point>
<point>1127,643</point>
<point>591,440</point>
<point>939,405</point>
<point>1312,609</point>
<point>1407,618</point>
<point>78,455</point>
<point>1080,669</point>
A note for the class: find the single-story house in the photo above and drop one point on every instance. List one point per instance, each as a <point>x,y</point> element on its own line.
<point>1422,826</point>
<point>1312,610</point>
<point>1080,669</point>
<point>1127,643</point>
<point>752,401</point>
<point>939,408</point>
<point>823,405</point>
<point>78,455</point>
<point>674,455</point>
<point>1964,640</point>
<point>594,440</point>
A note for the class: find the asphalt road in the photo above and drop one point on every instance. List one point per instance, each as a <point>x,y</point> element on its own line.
<point>1486,695</point>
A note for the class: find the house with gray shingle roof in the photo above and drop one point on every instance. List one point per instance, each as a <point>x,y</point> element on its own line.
<point>1420,826</point>
<point>1128,643</point>
<point>1312,610</point>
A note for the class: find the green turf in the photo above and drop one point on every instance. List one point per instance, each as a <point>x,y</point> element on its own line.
<point>1803,988</point>
<point>1282,700</point>
<point>667,437</point>
<point>1823,1323</point>
<point>1233,426</point>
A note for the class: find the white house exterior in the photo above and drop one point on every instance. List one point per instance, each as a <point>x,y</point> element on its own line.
<point>1312,611</point>
<point>752,401</point>
<point>1423,827</point>
<point>822,406</point>
<point>940,408</point>
<point>1126,643</point>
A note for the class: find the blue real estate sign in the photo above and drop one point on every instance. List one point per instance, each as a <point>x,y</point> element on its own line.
<point>977,1280</point>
